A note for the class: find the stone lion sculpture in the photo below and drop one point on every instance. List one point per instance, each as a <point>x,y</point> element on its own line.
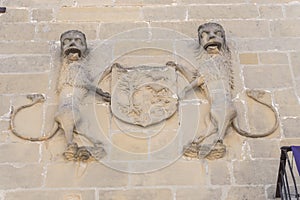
<point>214,75</point>
<point>73,85</point>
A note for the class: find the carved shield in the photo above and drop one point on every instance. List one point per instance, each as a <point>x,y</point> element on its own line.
<point>143,95</point>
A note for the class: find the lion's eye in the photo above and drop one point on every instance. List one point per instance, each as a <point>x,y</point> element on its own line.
<point>78,40</point>
<point>66,41</point>
<point>204,34</point>
<point>219,33</point>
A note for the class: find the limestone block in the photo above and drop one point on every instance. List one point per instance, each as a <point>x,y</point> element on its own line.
<point>285,97</point>
<point>143,2</point>
<point>41,15</point>
<point>122,30</point>
<point>52,31</point>
<point>285,28</point>
<point>290,127</point>
<point>23,83</point>
<point>33,3</point>
<point>219,172</point>
<point>19,152</point>
<point>21,32</point>
<point>295,60</point>
<point>24,47</point>
<point>270,1</point>
<point>273,58</point>
<point>270,12</point>
<point>4,105</point>
<point>248,58</point>
<point>200,193</point>
<point>223,12</point>
<point>92,175</point>
<point>18,177</point>
<point>145,194</point>
<point>246,192</point>
<point>102,14</point>
<point>185,175</point>
<point>208,1</point>
<point>264,148</point>
<point>24,64</point>
<point>164,13</point>
<point>289,111</point>
<point>96,3</point>
<point>292,11</point>
<point>278,76</point>
<point>15,15</point>
<point>51,194</point>
<point>255,171</point>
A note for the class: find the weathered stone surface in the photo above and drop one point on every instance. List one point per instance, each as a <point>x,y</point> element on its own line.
<point>51,194</point>
<point>285,28</point>
<point>249,58</point>
<point>273,58</point>
<point>289,111</point>
<point>292,11</point>
<point>91,175</point>
<point>19,152</point>
<point>24,47</point>
<point>286,97</point>
<point>278,76</point>
<point>270,12</point>
<point>41,15</point>
<point>252,171</point>
<point>219,172</point>
<point>24,64</point>
<point>145,194</point>
<point>223,12</point>
<point>28,176</point>
<point>264,148</point>
<point>290,127</point>
<point>23,83</point>
<point>185,175</point>
<point>202,193</point>
<point>102,14</point>
<point>295,61</point>
<point>246,193</point>
<point>163,13</point>
<point>24,31</point>
<point>15,15</point>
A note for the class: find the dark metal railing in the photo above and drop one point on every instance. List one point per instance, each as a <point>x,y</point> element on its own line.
<point>284,188</point>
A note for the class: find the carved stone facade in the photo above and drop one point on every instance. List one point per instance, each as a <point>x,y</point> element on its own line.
<point>135,102</point>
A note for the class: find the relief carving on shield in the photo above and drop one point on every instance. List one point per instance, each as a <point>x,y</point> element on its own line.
<point>143,95</point>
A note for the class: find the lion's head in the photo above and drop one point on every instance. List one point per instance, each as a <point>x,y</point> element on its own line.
<point>212,38</point>
<point>73,44</point>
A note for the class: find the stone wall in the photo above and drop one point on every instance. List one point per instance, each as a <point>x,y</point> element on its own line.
<point>264,38</point>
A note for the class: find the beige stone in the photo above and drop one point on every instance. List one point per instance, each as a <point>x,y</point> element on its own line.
<point>202,193</point>
<point>24,47</point>
<point>285,28</point>
<point>128,143</point>
<point>219,172</point>
<point>28,176</point>
<point>248,58</point>
<point>273,58</point>
<point>52,31</point>
<point>123,30</point>
<point>252,171</point>
<point>95,3</point>
<point>285,97</point>
<point>145,194</point>
<point>185,175</point>
<point>270,12</point>
<point>40,15</point>
<point>51,194</point>
<point>87,175</point>
<point>295,61</point>
<point>15,15</point>
<point>291,11</point>
<point>4,105</point>
<point>208,1</point>
<point>270,1</point>
<point>277,76</point>
<point>264,148</point>
<point>223,12</point>
<point>33,3</point>
<point>246,192</point>
<point>23,31</point>
<point>163,13</point>
<point>290,127</point>
<point>23,83</point>
<point>289,111</point>
<point>143,2</point>
<point>19,153</point>
<point>24,64</point>
<point>102,14</point>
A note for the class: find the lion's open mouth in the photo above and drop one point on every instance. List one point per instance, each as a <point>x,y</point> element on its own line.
<point>212,46</point>
<point>73,51</point>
